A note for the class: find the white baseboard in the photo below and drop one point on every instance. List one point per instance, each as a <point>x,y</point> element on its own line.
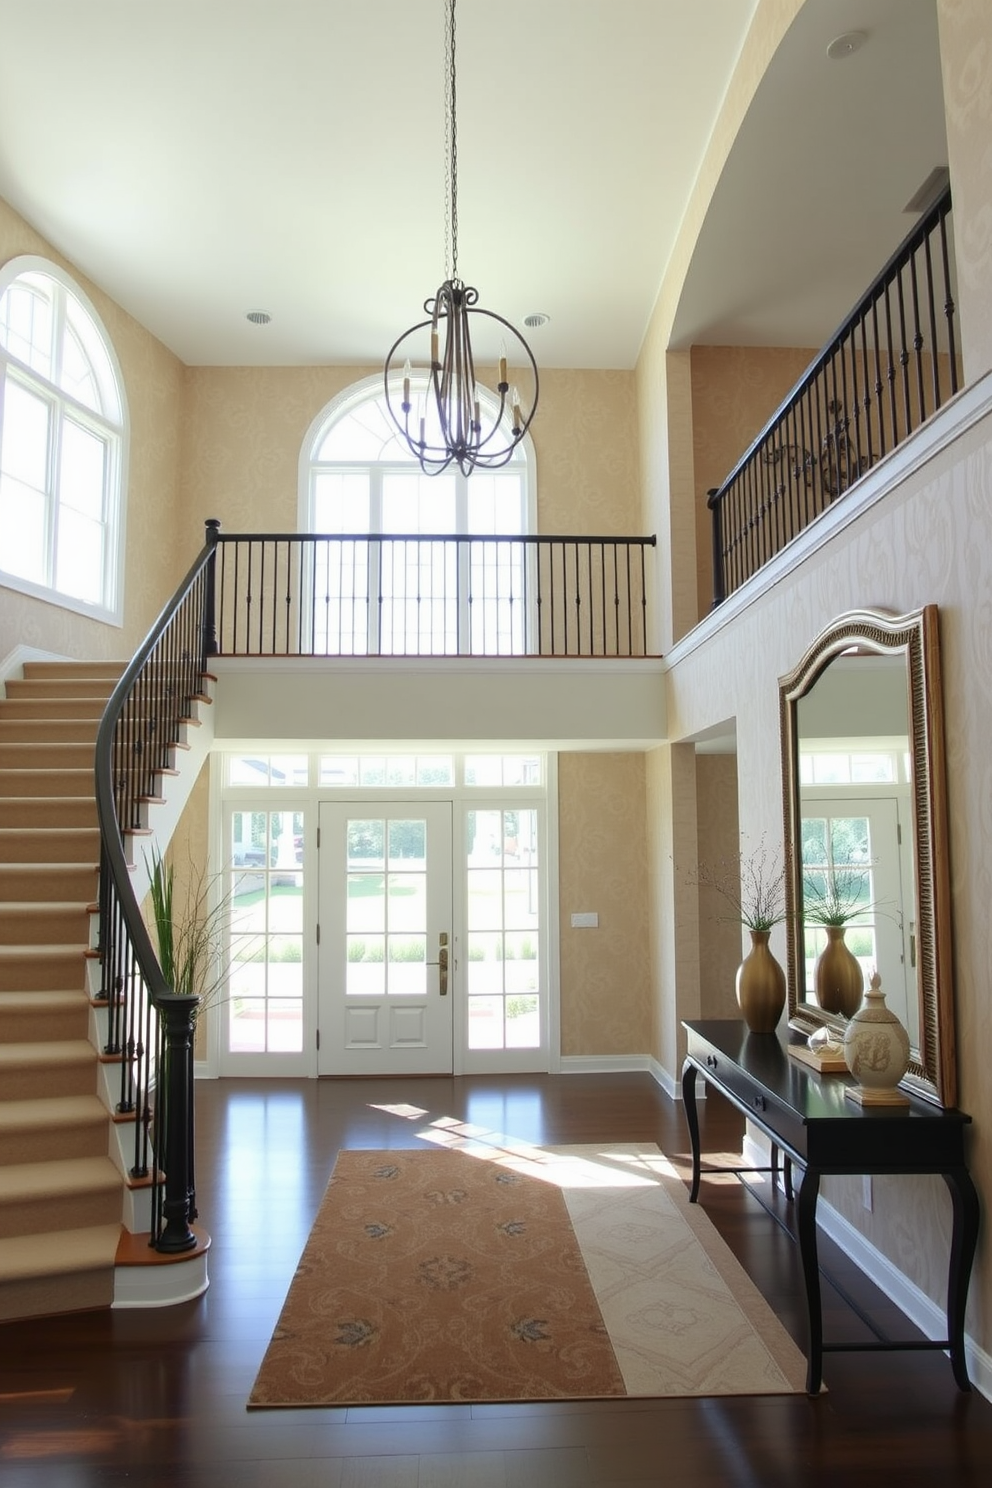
<point>12,664</point>
<point>603,1064</point>
<point>614,1064</point>
<point>918,1307</point>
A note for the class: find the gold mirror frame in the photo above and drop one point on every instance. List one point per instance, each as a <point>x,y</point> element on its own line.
<point>932,1071</point>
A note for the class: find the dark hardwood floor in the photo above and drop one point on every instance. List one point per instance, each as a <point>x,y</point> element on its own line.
<point>158,1398</point>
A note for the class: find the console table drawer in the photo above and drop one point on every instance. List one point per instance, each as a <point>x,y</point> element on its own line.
<point>754,1100</point>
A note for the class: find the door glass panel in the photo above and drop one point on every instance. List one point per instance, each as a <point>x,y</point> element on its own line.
<point>503,981</point>
<point>265,991</point>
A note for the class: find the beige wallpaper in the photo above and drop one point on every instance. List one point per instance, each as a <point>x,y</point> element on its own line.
<point>153,386</point>
<point>718,841</point>
<point>965,28</point>
<point>601,836</point>
<point>244,427</point>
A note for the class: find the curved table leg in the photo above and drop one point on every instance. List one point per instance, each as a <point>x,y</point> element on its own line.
<point>692,1122</point>
<point>806,1226</point>
<point>964,1240</point>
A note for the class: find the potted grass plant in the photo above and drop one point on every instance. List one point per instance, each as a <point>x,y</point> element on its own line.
<point>190,931</point>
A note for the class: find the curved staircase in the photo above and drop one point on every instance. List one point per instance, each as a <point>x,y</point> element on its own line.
<point>61,1191</point>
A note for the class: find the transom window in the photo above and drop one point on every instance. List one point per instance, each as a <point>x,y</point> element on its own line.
<point>423,589</point>
<point>63,424</point>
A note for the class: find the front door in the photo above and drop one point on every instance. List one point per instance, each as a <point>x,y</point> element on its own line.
<point>384,964</point>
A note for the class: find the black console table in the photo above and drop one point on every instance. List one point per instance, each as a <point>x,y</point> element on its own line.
<point>807,1117</point>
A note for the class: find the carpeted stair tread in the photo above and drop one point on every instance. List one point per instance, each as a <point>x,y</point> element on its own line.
<point>53,708</point>
<point>67,1110</point>
<point>55,1055</point>
<point>59,755</point>
<point>72,1175</point>
<point>50,845</point>
<point>35,782</point>
<point>42,968</point>
<point>112,670</point>
<point>48,923</point>
<point>48,730</point>
<point>61,687</point>
<point>33,882</point>
<point>32,812</point>
<point>24,1256</point>
<point>43,1016</point>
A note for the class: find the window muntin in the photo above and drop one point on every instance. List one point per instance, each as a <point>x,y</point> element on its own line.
<point>62,439</point>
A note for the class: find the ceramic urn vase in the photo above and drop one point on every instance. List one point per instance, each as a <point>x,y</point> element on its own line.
<point>760,986</point>
<point>837,978</point>
<point>876,1049</point>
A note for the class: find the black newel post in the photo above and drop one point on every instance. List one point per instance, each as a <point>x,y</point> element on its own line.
<point>719,588</point>
<point>174,1120</point>
<point>209,639</point>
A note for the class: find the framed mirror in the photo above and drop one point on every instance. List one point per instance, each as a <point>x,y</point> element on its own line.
<point>863,777</point>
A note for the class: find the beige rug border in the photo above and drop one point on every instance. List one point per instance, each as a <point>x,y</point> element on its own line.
<point>766,1324</point>
<point>771,1332</point>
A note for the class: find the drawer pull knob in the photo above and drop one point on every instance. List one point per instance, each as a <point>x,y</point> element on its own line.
<point>758,1102</point>
<point>711,1061</point>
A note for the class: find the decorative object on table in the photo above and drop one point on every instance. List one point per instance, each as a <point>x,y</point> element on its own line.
<point>760,986</point>
<point>832,899</point>
<point>754,887</point>
<point>822,1051</point>
<point>451,422</point>
<point>876,1047</point>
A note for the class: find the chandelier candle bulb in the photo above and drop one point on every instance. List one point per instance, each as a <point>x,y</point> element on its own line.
<point>407,369</point>
<point>502,368</point>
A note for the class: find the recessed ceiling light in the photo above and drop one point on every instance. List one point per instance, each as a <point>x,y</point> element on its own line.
<point>846,45</point>
<point>258,317</point>
<point>538,318</point>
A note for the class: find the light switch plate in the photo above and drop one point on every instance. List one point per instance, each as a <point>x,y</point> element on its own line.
<point>589,920</point>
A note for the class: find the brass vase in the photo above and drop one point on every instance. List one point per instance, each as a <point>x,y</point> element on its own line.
<point>760,986</point>
<point>838,980</point>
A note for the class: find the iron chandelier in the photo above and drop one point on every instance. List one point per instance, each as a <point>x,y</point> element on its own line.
<point>452,423</point>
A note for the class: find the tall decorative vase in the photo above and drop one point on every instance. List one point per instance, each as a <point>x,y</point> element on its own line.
<point>837,978</point>
<point>760,986</point>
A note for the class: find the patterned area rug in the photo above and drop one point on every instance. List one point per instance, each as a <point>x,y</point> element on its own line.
<point>508,1272</point>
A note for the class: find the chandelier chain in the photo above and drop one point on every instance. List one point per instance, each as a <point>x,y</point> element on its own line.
<point>451,152</point>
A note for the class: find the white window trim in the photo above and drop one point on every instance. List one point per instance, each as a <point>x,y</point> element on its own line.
<point>112,613</point>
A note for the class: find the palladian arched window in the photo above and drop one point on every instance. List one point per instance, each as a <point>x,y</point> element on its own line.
<point>418,564</point>
<point>63,438</point>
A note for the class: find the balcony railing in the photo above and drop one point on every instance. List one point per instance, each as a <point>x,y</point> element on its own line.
<point>361,594</point>
<point>891,365</point>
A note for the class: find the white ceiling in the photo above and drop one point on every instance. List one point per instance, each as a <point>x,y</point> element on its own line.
<point>201,158</point>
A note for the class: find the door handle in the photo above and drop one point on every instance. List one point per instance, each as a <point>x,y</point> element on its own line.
<point>442,963</point>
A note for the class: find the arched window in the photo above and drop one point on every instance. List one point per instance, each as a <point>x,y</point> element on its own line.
<point>63,436</point>
<point>439,580</point>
